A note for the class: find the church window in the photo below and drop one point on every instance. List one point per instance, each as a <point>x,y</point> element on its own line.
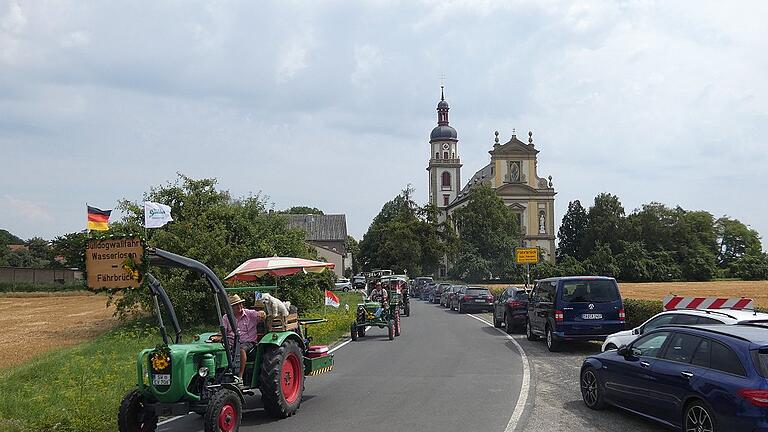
<point>445,199</point>
<point>446,180</point>
<point>453,155</point>
<point>437,155</point>
<point>445,155</point>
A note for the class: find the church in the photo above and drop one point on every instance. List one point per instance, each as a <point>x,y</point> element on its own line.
<point>512,173</point>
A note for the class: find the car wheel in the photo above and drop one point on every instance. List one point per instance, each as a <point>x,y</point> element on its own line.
<point>346,289</point>
<point>508,323</point>
<point>496,322</point>
<point>553,344</point>
<point>590,389</point>
<point>698,417</point>
<point>529,331</point>
<point>461,310</point>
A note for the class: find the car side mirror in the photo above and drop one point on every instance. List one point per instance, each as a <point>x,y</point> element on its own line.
<point>623,351</point>
<point>636,331</point>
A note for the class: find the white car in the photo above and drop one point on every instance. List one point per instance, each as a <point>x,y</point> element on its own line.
<point>343,284</point>
<point>685,317</point>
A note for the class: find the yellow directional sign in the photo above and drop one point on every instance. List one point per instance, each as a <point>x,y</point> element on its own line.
<point>527,255</point>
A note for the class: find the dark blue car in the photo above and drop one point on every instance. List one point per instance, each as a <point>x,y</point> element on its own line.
<point>574,308</point>
<point>704,378</point>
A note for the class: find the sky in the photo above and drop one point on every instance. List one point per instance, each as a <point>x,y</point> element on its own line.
<point>330,104</point>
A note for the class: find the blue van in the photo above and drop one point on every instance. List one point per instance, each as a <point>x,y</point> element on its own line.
<point>574,308</point>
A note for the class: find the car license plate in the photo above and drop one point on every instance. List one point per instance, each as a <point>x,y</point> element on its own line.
<point>592,316</point>
<point>480,300</point>
<point>161,379</point>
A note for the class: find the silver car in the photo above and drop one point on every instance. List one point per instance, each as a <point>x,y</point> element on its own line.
<point>685,317</point>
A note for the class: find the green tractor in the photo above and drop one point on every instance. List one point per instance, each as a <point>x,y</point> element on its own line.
<point>176,378</point>
<point>377,314</point>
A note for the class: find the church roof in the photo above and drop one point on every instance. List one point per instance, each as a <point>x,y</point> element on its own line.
<point>320,227</point>
<point>443,132</point>
<point>483,174</point>
<point>514,146</point>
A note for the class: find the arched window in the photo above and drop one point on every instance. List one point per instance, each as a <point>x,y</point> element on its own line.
<point>445,155</point>
<point>453,155</point>
<point>437,155</point>
<point>446,183</point>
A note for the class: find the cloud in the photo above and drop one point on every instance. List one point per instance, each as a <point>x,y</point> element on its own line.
<point>23,209</point>
<point>293,58</point>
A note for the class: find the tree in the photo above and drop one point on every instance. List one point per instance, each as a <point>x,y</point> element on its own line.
<point>72,247</point>
<point>663,266</point>
<point>752,266</point>
<point>486,225</point>
<point>602,262</point>
<point>734,240</point>
<point>353,248</point>
<point>304,210</point>
<point>654,225</point>
<point>221,232</point>
<point>405,237</point>
<point>573,231</point>
<point>606,223</point>
<point>41,251</point>
<point>633,262</point>
<point>570,266</point>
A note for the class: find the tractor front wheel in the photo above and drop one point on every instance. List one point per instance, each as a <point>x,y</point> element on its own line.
<point>397,324</point>
<point>224,412</point>
<point>353,331</point>
<point>132,417</point>
<point>391,329</point>
<point>282,379</point>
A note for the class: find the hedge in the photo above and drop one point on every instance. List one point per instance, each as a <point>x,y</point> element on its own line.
<point>638,311</point>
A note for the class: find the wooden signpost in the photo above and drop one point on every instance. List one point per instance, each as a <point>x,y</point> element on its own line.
<point>114,263</point>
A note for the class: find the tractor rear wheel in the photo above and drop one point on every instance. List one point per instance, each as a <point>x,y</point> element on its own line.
<point>391,329</point>
<point>224,412</point>
<point>132,417</point>
<point>282,379</point>
<point>361,332</point>
<point>397,324</point>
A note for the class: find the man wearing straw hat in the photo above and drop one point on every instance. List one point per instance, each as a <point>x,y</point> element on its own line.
<point>247,320</point>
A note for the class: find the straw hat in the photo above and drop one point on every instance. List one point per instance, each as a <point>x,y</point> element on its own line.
<point>235,299</point>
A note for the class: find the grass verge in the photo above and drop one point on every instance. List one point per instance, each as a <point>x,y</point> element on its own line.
<point>80,388</point>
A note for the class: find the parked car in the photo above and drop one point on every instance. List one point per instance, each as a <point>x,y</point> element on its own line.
<point>510,309</point>
<point>358,282</point>
<point>696,378</point>
<point>437,293</point>
<point>455,298</point>
<point>574,308</point>
<point>447,295</point>
<point>685,317</point>
<point>343,284</point>
<point>474,299</point>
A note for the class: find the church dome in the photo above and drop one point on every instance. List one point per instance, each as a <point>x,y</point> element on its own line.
<point>442,104</point>
<point>443,132</point>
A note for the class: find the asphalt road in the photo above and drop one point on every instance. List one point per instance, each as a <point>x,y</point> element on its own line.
<point>446,372</point>
<point>556,403</point>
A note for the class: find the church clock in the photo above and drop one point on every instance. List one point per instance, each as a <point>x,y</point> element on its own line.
<point>446,146</point>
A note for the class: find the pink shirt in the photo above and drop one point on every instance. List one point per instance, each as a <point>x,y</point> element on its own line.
<point>246,324</point>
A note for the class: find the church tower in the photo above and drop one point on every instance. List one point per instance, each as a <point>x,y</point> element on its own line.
<point>444,163</point>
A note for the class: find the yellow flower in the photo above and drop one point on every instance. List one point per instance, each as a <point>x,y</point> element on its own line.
<point>160,361</point>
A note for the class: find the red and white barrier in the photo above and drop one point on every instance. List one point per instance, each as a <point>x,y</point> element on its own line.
<point>671,302</point>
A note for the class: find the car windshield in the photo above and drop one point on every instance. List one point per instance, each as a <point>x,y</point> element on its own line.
<point>593,291</point>
<point>478,292</point>
<point>521,295</point>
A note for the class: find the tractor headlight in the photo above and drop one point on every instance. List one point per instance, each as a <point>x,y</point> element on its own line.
<point>203,372</point>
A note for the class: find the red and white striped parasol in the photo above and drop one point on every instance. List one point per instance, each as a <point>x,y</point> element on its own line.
<point>276,266</point>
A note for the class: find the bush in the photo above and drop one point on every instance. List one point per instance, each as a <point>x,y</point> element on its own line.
<point>37,287</point>
<point>638,311</point>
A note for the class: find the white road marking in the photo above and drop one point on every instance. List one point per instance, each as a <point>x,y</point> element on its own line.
<point>526,385</point>
<point>329,351</point>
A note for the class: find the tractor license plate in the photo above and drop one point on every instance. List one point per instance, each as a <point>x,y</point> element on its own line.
<point>592,316</point>
<point>161,379</point>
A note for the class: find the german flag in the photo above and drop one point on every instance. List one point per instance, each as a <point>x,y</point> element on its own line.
<point>98,220</point>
